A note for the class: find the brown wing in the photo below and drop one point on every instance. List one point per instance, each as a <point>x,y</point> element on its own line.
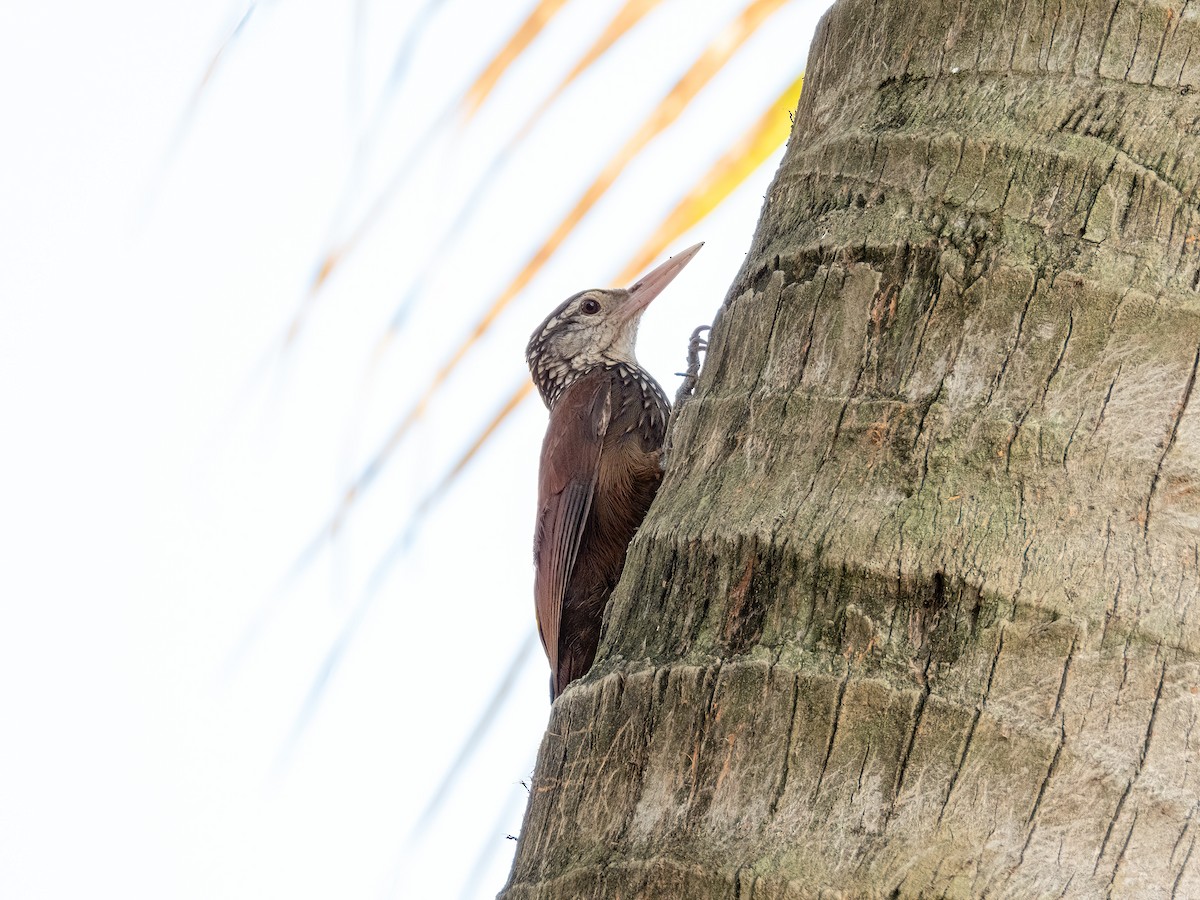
<point>566,486</point>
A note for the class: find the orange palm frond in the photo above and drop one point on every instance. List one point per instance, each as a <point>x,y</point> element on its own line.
<point>478,92</point>
<point>627,16</point>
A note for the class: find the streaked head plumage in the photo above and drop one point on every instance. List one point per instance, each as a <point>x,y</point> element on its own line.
<point>595,328</point>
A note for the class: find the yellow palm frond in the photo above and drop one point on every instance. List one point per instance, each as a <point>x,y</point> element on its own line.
<point>734,167</point>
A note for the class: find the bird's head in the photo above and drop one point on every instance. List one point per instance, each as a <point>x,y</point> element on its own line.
<point>595,328</point>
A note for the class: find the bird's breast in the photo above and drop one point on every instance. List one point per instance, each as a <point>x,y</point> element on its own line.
<point>630,464</point>
<point>639,408</point>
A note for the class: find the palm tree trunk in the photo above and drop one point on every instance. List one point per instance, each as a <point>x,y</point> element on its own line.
<point>917,610</point>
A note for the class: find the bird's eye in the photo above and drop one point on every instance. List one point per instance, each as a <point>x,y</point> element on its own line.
<point>590,306</point>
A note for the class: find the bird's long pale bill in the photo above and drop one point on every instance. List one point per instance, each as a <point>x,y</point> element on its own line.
<point>652,283</point>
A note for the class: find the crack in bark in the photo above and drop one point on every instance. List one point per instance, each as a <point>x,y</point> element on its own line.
<point>962,759</point>
<point>1137,43</point>
<point>812,324</point>
<point>787,748</point>
<point>962,150</point>
<point>1168,33</point>
<point>1012,439</point>
<point>928,166</point>
<point>862,767</point>
<point>837,426</point>
<point>1112,822</point>
<point>1012,53</point>
<point>928,317</point>
<point>1041,794</point>
<point>1162,677</point>
<point>1062,685</point>
<point>1112,880</point>
<point>1061,354</point>
<point>1173,433</point>
<point>918,712</point>
<point>1182,869</point>
<point>921,423</point>
<point>1045,64</point>
<point>1107,397</point>
<point>1071,439</point>
<point>1070,66</point>
<point>837,713</point>
<point>1091,204</point>
<point>1183,65</point>
<point>701,735</point>
<point>770,334</point>
<point>925,411</point>
<point>1187,822</point>
<point>1124,666</point>
<point>1136,186</point>
<point>655,697</point>
<point>1037,277</point>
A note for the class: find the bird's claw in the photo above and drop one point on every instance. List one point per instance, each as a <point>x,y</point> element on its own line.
<point>696,346</point>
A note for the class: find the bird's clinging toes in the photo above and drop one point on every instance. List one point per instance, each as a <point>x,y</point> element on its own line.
<point>601,460</point>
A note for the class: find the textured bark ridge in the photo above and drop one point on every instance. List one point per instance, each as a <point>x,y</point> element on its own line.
<point>917,610</point>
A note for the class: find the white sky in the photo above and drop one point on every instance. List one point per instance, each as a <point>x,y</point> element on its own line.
<point>163,465</point>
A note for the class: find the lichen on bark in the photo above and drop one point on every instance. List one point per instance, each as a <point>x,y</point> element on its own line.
<point>914,613</point>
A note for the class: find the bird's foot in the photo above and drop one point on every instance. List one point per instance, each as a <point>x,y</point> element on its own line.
<point>696,346</point>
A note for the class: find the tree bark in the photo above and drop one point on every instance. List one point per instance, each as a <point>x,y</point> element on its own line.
<point>917,609</point>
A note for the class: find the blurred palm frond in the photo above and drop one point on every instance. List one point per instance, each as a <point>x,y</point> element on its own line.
<point>401,61</point>
<point>625,19</point>
<point>192,105</point>
<point>487,80</point>
<point>493,846</point>
<point>442,489</point>
<point>473,742</point>
<point>470,102</point>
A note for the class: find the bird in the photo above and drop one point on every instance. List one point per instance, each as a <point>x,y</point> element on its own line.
<point>601,460</point>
